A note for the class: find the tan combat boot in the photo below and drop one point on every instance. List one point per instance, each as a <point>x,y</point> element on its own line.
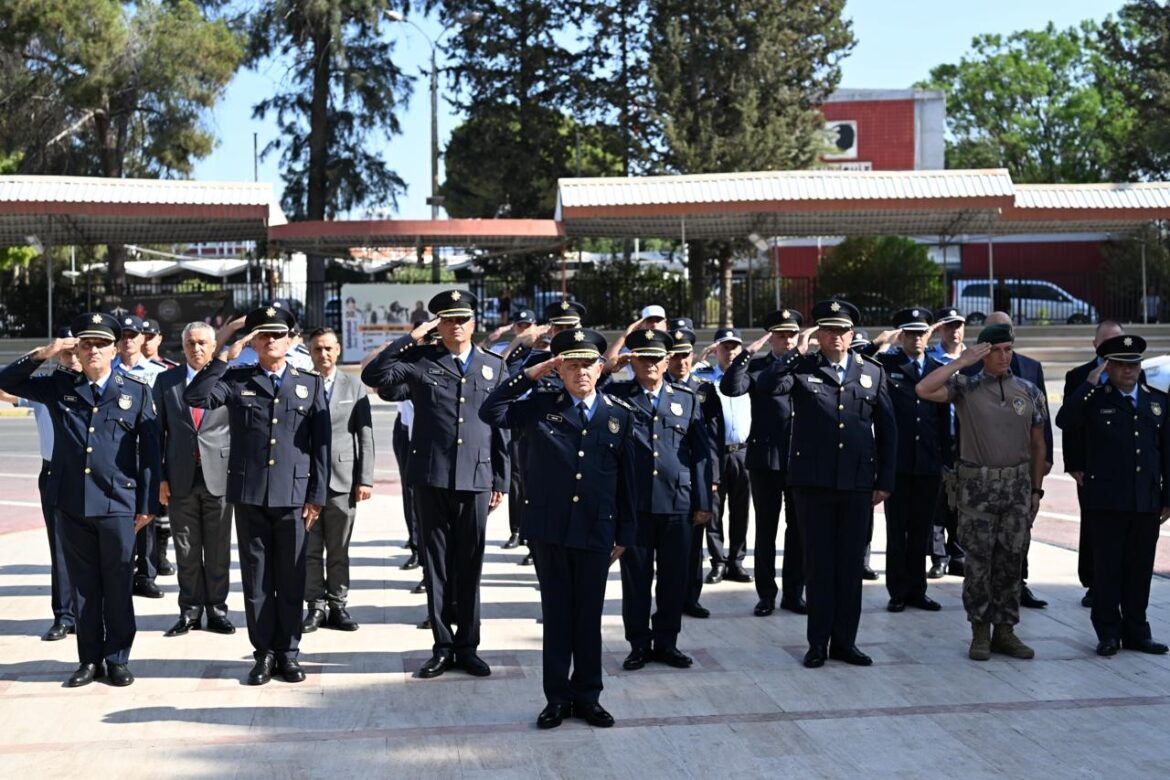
<point>980,641</point>
<point>1006,642</point>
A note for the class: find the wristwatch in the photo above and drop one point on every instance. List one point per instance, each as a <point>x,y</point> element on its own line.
<point>1038,492</point>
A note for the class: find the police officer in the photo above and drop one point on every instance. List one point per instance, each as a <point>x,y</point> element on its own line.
<point>841,465</point>
<point>1122,466</point>
<point>923,447</point>
<point>104,479</point>
<point>767,463</point>
<point>678,368</point>
<point>458,467</point>
<point>673,457</point>
<point>946,553</point>
<point>152,343</point>
<point>583,510</point>
<point>278,473</point>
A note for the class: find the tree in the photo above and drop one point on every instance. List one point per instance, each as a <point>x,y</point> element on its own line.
<point>880,276</point>
<point>116,89</point>
<point>1138,42</point>
<point>738,87</point>
<point>1044,104</point>
<point>342,88</point>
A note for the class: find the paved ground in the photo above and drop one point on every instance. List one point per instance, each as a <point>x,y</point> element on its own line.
<point>747,708</point>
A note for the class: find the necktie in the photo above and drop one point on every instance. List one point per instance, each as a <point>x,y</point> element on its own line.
<point>197,416</point>
<point>584,413</point>
<point>1132,401</point>
<point>840,373</point>
<point>917,370</point>
<point>275,383</point>
<point>461,365</point>
<point>97,392</point>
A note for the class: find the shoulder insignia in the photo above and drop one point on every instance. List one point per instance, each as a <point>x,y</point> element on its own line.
<point>133,378</point>
<point>309,371</point>
<point>863,359</point>
<point>547,389</point>
<point>620,403</point>
<point>683,388</point>
<point>488,353</point>
<point>292,371</point>
<point>68,371</point>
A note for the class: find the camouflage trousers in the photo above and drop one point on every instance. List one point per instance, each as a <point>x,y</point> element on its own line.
<point>995,512</point>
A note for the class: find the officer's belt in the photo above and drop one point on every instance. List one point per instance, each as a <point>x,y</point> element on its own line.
<point>1000,472</point>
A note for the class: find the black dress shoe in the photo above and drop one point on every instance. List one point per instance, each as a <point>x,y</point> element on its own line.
<point>936,572</point>
<point>85,674</point>
<point>956,569</point>
<point>313,620</point>
<point>420,588</point>
<point>166,568</point>
<point>814,658</point>
<point>593,714</point>
<point>764,607</point>
<point>439,663</point>
<point>147,589</point>
<point>219,624</point>
<point>716,574</point>
<point>119,676</point>
<point>512,543</point>
<point>425,625</point>
<point>737,574</point>
<point>637,658</point>
<point>290,670</point>
<point>340,620</point>
<point>1087,600</point>
<point>411,562</point>
<point>868,574</point>
<point>1108,647</point>
<point>1028,599</point>
<point>924,602</point>
<point>183,626</point>
<point>1146,646</point>
<point>696,611</point>
<point>896,605</point>
<point>553,715</point>
<point>58,631</point>
<point>796,605</point>
<point>526,560</point>
<point>850,655</point>
<point>262,671</point>
<point>473,665</point>
<point>672,656</point>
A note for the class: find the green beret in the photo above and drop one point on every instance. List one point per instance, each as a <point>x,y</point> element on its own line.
<point>996,334</point>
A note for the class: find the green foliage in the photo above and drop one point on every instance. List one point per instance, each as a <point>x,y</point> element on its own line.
<point>880,276</point>
<point>1138,41</point>
<point>1045,104</point>
<point>342,88</point>
<point>615,292</point>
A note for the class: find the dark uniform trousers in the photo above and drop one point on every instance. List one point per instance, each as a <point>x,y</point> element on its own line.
<point>695,571</point>
<point>768,495</point>
<point>272,567</point>
<point>1085,555</point>
<point>835,524</point>
<point>400,442</point>
<point>201,524</point>
<point>64,608</point>
<point>327,552</point>
<point>99,559</point>
<point>734,494</point>
<point>452,525</point>
<point>1124,544</point>
<point>516,486</point>
<point>909,523</point>
<point>665,537</point>
<point>146,554</point>
<point>572,598</point>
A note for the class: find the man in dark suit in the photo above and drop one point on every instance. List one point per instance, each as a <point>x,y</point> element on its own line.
<point>196,447</point>
<point>673,461</point>
<point>583,506</point>
<point>1027,368</point>
<point>1121,462</point>
<point>1075,377</point>
<point>104,483</point>
<point>458,466</point>
<point>923,447</point>
<point>767,463</point>
<point>841,464</point>
<point>278,473</point>
<point>351,480</point>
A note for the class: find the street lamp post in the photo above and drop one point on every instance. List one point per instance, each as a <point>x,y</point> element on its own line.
<point>435,200</point>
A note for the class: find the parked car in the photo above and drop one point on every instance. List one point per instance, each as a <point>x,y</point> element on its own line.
<point>1030,300</point>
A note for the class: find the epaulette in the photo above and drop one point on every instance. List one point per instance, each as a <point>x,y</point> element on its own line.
<point>863,359</point>
<point>309,371</point>
<point>684,388</point>
<point>547,389</point>
<point>160,363</point>
<point>618,401</point>
<point>488,353</point>
<point>68,371</point>
<point>133,378</point>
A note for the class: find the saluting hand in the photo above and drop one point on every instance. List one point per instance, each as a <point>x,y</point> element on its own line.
<point>620,361</point>
<point>759,343</point>
<point>1094,377</point>
<point>224,335</point>
<point>54,348</point>
<point>973,354</point>
<point>496,499</point>
<point>423,328</point>
<point>802,340</point>
<point>310,513</point>
<point>544,368</point>
<point>141,521</point>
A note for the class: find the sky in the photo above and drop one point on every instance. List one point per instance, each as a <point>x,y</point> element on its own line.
<point>898,42</point>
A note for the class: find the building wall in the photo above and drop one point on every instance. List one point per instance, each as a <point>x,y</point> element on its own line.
<point>885,131</point>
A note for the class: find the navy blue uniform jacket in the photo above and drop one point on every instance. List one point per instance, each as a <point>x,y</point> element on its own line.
<point>771,428</point>
<point>924,427</point>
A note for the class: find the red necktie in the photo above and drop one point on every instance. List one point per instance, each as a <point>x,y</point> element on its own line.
<point>197,416</point>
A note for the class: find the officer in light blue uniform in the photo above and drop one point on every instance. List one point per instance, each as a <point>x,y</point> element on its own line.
<point>278,475</point>
<point>673,458</point>
<point>103,481</point>
<point>582,510</point>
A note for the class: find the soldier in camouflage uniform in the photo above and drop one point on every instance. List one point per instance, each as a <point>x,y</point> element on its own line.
<point>1000,469</point>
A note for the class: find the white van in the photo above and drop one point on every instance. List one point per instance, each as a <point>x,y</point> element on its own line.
<point>1032,300</point>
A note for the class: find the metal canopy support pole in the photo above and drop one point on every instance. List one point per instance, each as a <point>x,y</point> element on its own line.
<point>990,274</point>
<point>1145,290</point>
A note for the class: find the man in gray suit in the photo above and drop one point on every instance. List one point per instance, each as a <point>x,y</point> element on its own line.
<point>351,479</point>
<point>195,450</point>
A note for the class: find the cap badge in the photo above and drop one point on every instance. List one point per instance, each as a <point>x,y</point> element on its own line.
<point>1128,341</point>
<point>678,335</point>
<point>270,311</point>
<point>579,335</point>
<point>835,306</point>
<point>784,315</point>
<point>96,319</point>
<point>127,321</point>
<point>564,305</point>
<point>914,313</point>
<point>455,296</point>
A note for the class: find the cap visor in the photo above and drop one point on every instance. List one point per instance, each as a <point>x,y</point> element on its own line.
<point>564,321</point>
<point>448,313</point>
<point>787,327</point>
<point>104,335</point>
<point>579,354</point>
<point>835,322</point>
